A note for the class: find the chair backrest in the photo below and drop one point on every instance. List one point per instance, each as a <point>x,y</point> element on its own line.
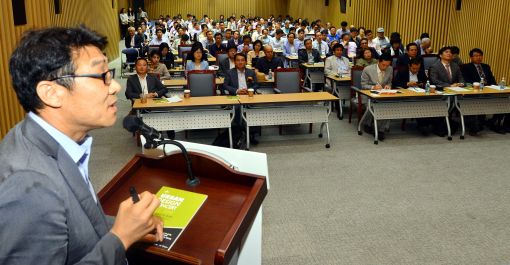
<point>202,83</point>
<point>184,58</point>
<point>356,72</point>
<point>429,60</point>
<point>287,80</point>
<point>153,48</point>
<point>181,49</point>
<point>220,56</point>
<point>394,62</point>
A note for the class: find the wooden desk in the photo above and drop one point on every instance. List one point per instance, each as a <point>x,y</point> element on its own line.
<point>283,109</point>
<point>189,114</point>
<point>342,94</point>
<point>403,105</point>
<point>209,59</point>
<point>487,101</point>
<point>184,82</point>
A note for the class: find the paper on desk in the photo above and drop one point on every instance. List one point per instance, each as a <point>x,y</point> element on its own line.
<point>388,91</point>
<point>174,99</point>
<point>497,87</point>
<point>417,89</point>
<point>458,89</point>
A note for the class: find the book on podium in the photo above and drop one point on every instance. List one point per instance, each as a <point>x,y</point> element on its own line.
<point>218,229</point>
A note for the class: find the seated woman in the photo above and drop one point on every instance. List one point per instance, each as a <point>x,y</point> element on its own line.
<point>157,67</point>
<point>198,62</point>
<point>165,56</point>
<point>257,52</point>
<point>366,58</point>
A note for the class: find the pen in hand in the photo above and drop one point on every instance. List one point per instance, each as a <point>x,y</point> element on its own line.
<point>134,194</point>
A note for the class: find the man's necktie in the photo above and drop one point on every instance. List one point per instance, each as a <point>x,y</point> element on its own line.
<point>449,72</point>
<point>381,77</point>
<point>480,72</point>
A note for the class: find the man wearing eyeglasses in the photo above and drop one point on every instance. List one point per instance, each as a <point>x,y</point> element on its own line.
<point>50,213</point>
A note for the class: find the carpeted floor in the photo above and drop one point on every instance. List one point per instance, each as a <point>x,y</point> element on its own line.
<point>409,200</point>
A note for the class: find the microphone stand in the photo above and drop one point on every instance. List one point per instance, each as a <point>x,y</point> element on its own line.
<point>192,180</point>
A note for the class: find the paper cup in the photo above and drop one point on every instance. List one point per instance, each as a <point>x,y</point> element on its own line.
<point>187,93</point>
<point>432,89</point>
<point>476,86</point>
<point>251,91</point>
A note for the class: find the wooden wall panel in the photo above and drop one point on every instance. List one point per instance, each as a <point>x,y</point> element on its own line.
<point>95,14</point>
<point>413,17</point>
<point>215,8</point>
<point>310,10</point>
<point>37,16</point>
<point>483,24</point>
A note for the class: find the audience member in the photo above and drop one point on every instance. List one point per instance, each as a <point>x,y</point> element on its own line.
<point>320,45</point>
<point>143,83</point>
<point>337,64</point>
<point>158,68</point>
<point>199,61</point>
<point>218,46</point>
<point>256,53</point>
<point>366,58</point>
<point>269,61</point>
<point>444,73</point>
<point>308,54</point>
<point>227,63</point>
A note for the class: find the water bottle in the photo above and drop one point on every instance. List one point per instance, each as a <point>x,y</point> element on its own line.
<point>270,75</point>
<point>427,87</point>
<point>502,83</point>
<point>482,83</point>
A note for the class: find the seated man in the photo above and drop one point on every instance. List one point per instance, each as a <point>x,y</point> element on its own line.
<point>320,45</point>
<point>376,77</point>
<point>291,46</point>
<point>159,38</point>
<point>158,67</point>
<point>227,63</point>
<point>217,47</point>
<point>412,53</point>
<point>237,82</point>
<point>308,54</point>
<point>444,73</point>
<point>410,76</point>
<point>268,62</point>
<point>337,64</point>
<point>143,83</point>
<point>277,42</point>
<point>413,76</point>
<point>239,79</point>
<point>133,44</point>
<point>474,72</point>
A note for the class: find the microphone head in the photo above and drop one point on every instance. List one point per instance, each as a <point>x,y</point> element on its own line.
<point>131,123</point>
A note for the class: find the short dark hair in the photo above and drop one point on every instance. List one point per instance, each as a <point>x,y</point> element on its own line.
<point>300,30</point>
<point>154,52</point>
<point>408,46</point>
<point>45,54</point>
<point>368,31</point>
<point>455,49</point>
<point>140,59</point>
<point>279,31</point>
<point>310,40</point>
<point>415,61</point>
<point>443,49</point>
<point>324,31</point>
<point>338,45</point>
<point>343,24</point>
<point>240,54</point>
<point>293,34</point>
<point>475,50</point>
<point>385,57</point>
<point>218,34</point>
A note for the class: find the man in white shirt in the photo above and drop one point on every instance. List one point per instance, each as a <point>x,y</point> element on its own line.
<point>159,38</point>
<point>381,42</point>
<point>320,45</point>
<point>277,42</point>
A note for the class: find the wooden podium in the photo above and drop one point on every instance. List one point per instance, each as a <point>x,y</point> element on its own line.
<point>219,227</point>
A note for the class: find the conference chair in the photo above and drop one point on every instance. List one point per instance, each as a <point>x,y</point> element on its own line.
<point>202,83</point>
<point>181,49</point>
<point>429,60</point>
<point>220,56</point>
<point>133,52</point>
<point>356,72</point>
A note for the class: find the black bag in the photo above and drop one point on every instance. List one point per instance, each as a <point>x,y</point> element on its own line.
<point>238,138</point>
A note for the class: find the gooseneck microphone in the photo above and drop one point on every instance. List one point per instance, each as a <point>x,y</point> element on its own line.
<point>154,138</point>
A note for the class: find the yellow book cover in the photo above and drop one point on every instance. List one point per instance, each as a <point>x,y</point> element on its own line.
<point>177,208</point>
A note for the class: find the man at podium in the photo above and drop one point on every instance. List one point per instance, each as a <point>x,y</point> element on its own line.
<point>50,213</point>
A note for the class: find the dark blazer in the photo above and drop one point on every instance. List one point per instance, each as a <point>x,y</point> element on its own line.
<point>168,60</point>
<point>231,42</point>
<point>402,78</point>
<point>303,56</point>
<point>48,213</point>
<point>471,74</point>
<point>439,77</point>
<point>134,88</point>
<point>224,66</point>
<point>403,62</point>
<point>231,83</point>
<point>138,41</point>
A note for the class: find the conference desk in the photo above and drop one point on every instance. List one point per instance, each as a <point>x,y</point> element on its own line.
<point>342,94</point>
<point>188,114</point>
<point>284,109</point>
<point>490,100</point>
<point>184,82</point>
<point>314,73</point>
<point>211,60</point>
<point>404,104</point>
